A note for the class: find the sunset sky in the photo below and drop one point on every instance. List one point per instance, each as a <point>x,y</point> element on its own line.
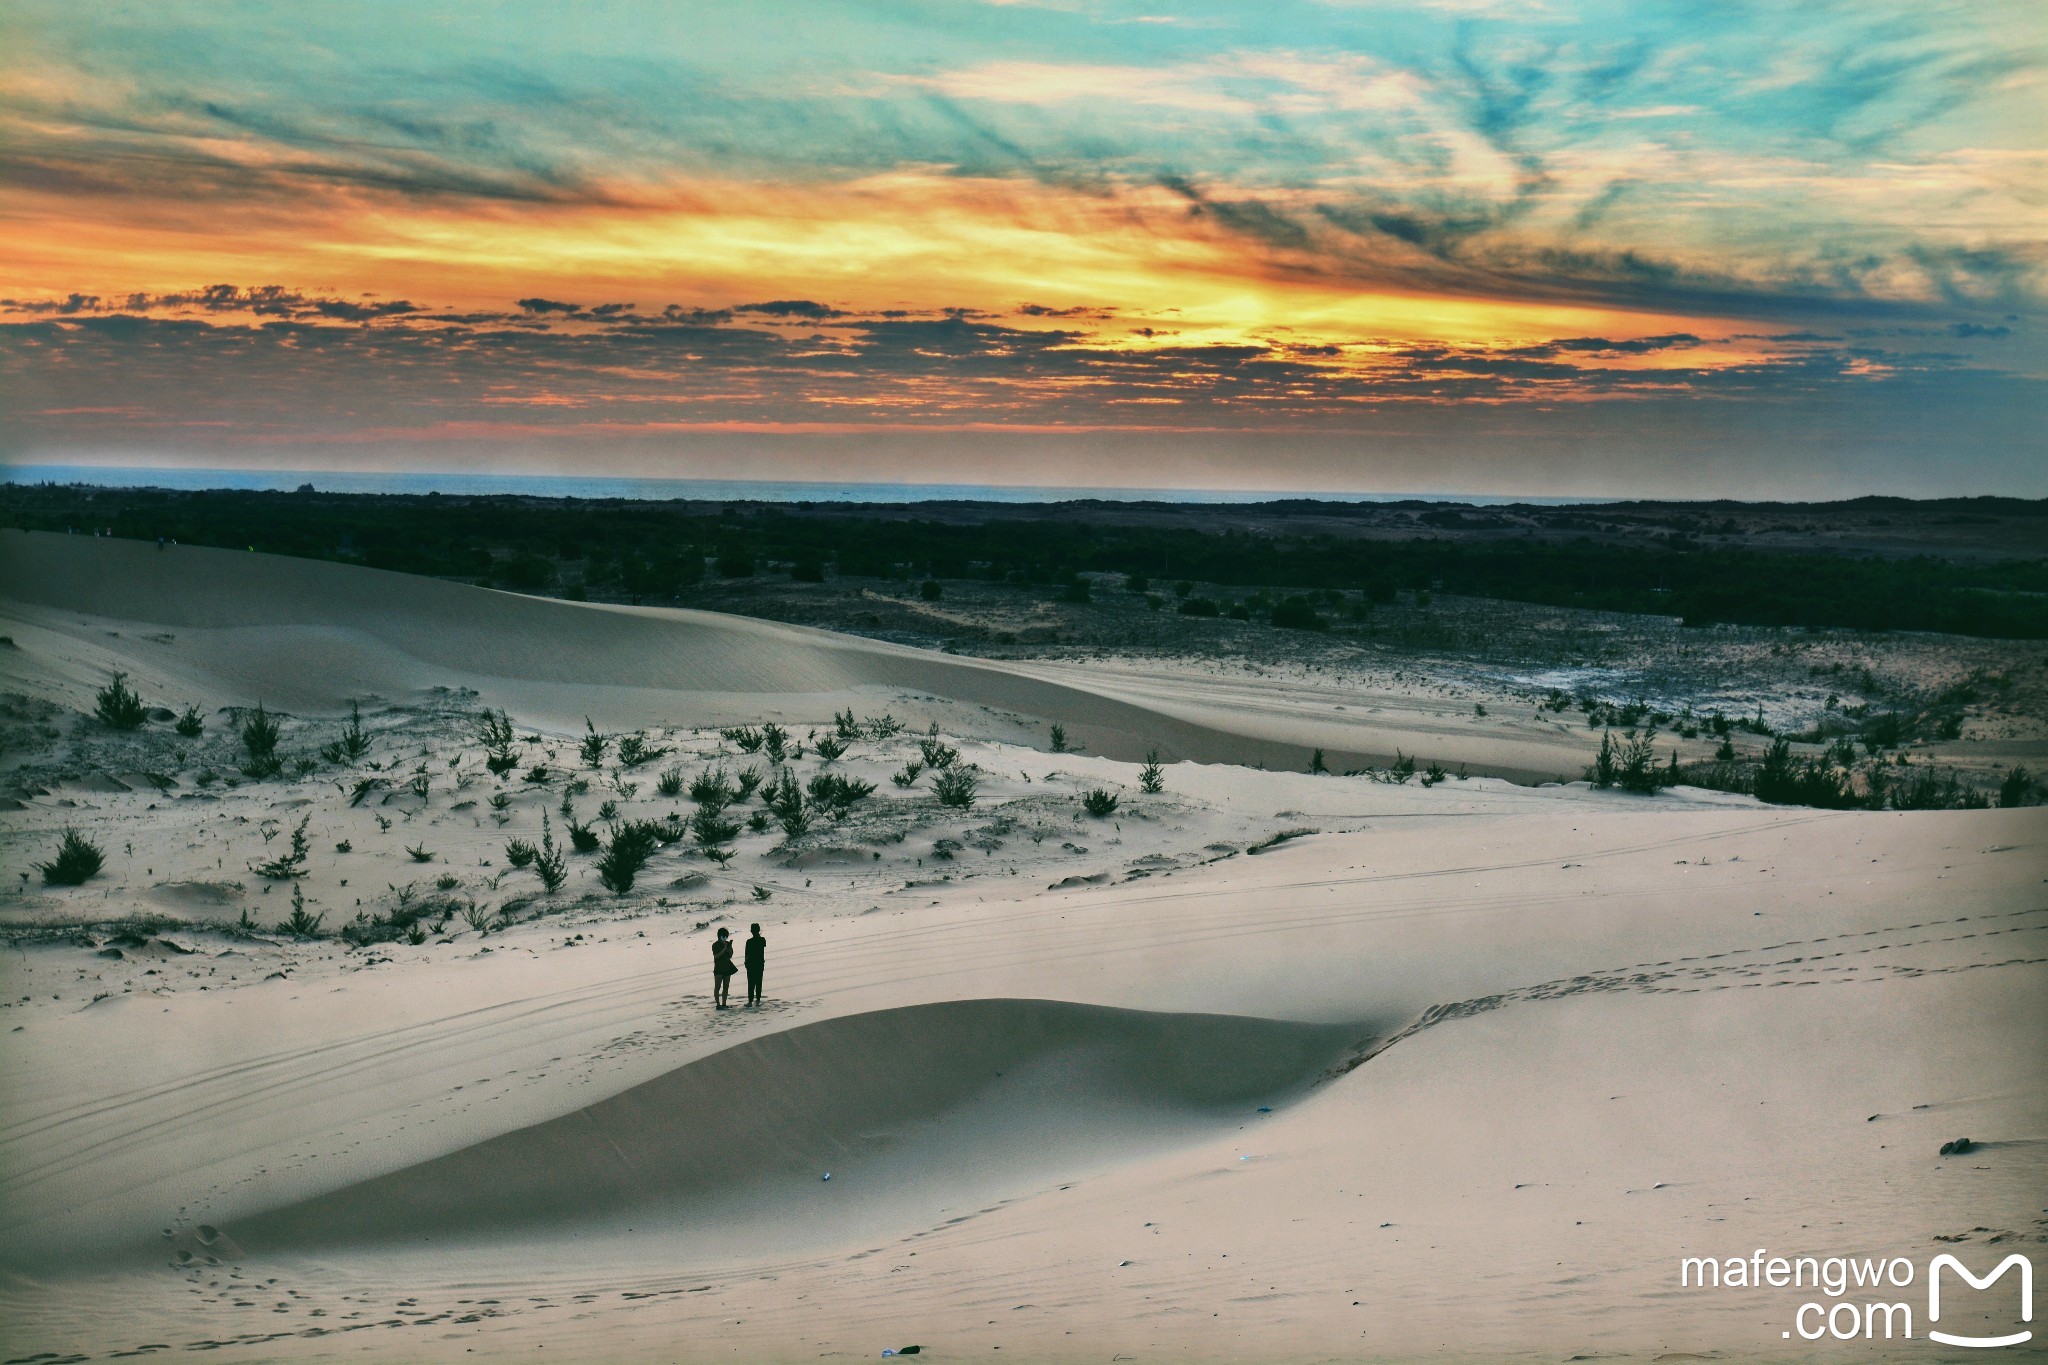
<point>1562,247</point>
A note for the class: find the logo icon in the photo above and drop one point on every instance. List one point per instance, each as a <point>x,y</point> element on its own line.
<point>2026,1269</point>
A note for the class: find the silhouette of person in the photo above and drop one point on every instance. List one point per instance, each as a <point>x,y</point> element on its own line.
<point>721,969</point>
<point>757,963</point>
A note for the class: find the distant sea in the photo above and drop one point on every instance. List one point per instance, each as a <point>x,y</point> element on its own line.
<point>698,490</point>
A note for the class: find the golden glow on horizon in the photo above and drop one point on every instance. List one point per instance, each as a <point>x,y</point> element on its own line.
<point>916,240</point>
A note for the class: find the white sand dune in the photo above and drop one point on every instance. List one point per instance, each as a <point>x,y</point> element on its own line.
<point>308,635</point>
<point>1605,1033</point>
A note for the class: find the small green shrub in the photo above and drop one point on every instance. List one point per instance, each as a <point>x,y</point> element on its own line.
<point>78,858</point>
<point>1099,803</point>
<point>670,783</point>
<point>548,863</point>
<point>1152,777</point>
<point>300,923</point>
<point>118,705</point>
<point>593,744</point>
<point>190,723</point>
<point>521,853</point>
<point>260,733</point>
<point>628,850</point>
<point>956,787</point>
<point>291,863</point>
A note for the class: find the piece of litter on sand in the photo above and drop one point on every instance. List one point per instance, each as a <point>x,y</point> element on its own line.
<point>1265,1109</point>
<point>826,1176</point>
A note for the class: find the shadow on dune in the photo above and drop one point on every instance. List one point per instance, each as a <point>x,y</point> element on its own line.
<point>963,1094</point>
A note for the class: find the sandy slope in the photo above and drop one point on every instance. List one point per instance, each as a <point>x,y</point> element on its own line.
<point>1465,1074</point>
<point>219,627</point>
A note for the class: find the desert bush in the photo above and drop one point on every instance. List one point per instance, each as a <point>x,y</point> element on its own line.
<point>845,725</point>
<point>774,742</point>
<point>936,753</point>
<point>420,785</point>
<point>635,749</point>
<point>477,917</point>
<point>712,788</point>
<point>1318,765</point>
<point>419,852</point>
<point>1636,770</point>
<point>930,590</point>
<point>591,748</point>
<point>839,794</point>
<point>829,747</point>
<point>521,853</point>
<point>118,704</point>
<point>625,853</point>
<point>1059,738</point>
<point>710,828</point>
<point>881,727</point>
<point>670,783</point>
<point>1784,780</point>
<point>1297,613</point>
<point>1152,777</point>
<point>299,923</point>
<point>906,776</point>
<point>1099,803</point>
<point>1931,792</point>
<point>362,789</point>
<point>548,862</point>
<point>956,786</point>
<point>746,737</point>
<point>354,742</point>
<point>1433,774</point>
<point>2015,789</point>
<point>190,723</point>
<point>292,862</point>
<point>1199,606</point>
<point>1402,768</point>
<point>744,783</point>
<point>1605,766</point>
<point>260,733</point>
<point>758,821</point>
<point>78,858</point>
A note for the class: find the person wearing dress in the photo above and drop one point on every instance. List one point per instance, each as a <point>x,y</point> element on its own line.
<point>721,969</point>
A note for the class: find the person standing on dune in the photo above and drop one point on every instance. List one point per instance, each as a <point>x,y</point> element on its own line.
<point>721,969</point>
<point>757,963</point>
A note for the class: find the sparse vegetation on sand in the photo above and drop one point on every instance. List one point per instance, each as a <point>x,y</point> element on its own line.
<point>119,706</point>
<point>260,734</point>
<point>957,786</point>
<point>301,923</point>
<point>292,862</point>
<point>190,724</point>
<point>354,743</point>
<point>494,732</point>
<point>78,859</point>
<point>1099,803</point>
<point>625,853</point>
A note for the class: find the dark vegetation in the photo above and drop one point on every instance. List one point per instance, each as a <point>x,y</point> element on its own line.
<point>78,858</point>
<point>658,550</point>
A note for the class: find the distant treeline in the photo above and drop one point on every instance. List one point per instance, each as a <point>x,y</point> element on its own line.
<point>657,550</point>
